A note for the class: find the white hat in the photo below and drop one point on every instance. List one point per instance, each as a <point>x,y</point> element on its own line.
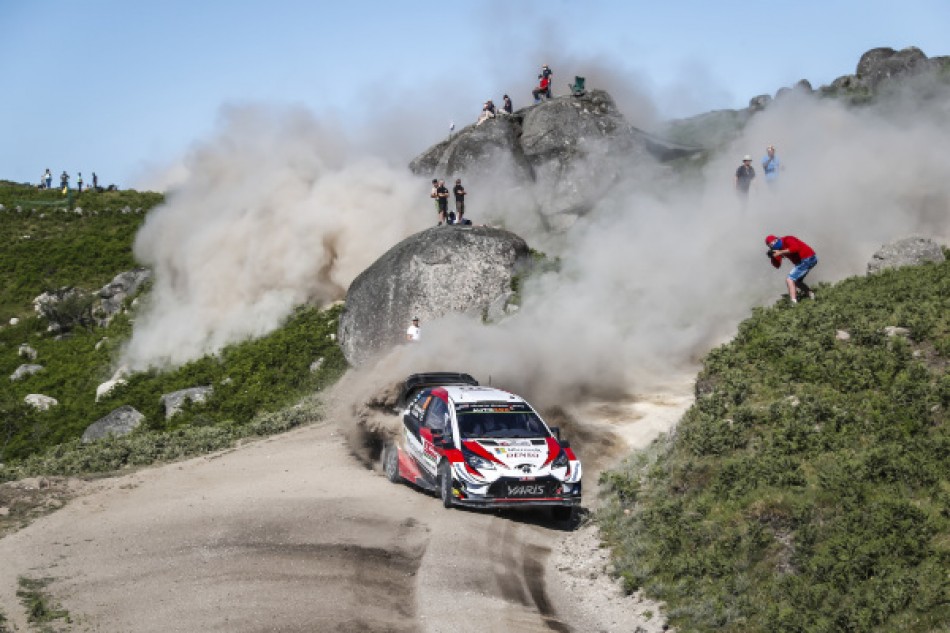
<point>746,157</point>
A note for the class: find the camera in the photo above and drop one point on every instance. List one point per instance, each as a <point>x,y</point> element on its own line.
<point>770,253</point>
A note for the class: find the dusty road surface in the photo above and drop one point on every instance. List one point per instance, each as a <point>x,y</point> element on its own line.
<point>291,533</point>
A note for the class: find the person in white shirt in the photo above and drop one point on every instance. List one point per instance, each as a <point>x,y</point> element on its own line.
<point>412,334</point>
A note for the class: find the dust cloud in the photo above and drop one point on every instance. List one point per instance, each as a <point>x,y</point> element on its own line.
<point>272,212</point>
<point>656,276</point>
<point>276,212</point>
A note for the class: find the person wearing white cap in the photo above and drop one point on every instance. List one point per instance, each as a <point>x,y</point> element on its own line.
<point>744,175</point>
<point>412,334</point>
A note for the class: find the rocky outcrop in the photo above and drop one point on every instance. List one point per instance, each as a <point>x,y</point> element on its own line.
<point>573,148</point>
<point>69,307</point>
<point>121,421</point>
<point>877,68</point>
<point>173,402</point>
<point>910,251</point>
<point>25,351</point>
<point>112,296</point>
<point>429,274</point>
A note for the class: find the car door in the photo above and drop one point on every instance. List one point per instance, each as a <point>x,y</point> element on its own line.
<point>412,421</point>
<point>435,421</point>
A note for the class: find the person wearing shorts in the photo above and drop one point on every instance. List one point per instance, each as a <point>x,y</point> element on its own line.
<point>801,255</point>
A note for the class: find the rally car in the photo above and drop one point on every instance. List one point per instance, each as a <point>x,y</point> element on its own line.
<point>480,447</point>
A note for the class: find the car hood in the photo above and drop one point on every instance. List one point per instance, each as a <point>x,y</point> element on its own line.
<point>512,452</point>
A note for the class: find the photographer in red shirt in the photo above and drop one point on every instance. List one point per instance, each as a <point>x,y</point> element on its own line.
<point>800,254</point>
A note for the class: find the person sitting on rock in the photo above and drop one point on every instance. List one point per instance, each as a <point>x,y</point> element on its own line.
<point>488,112</point>
<point>543,89</point>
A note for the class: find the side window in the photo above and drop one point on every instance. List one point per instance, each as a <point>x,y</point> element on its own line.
<point>437,416</point>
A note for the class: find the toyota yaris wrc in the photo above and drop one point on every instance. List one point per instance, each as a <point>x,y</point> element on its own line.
<point>480,447</point>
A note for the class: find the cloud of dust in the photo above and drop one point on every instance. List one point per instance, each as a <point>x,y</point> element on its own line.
<point>272,212</point>
<point>656,276</point>
<point>278,210</point>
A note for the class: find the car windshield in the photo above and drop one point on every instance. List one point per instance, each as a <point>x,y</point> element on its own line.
<point>499,420</point>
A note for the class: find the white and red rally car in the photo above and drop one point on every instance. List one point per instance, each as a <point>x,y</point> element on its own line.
<point>480,447</point>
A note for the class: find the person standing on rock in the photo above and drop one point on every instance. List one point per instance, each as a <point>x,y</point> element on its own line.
<point>64,181</point>
<point>79,182</point>
<point>547,73</point>
<point>770,165</point>
<point>413,332</point>
<point>459,192</point>
<point>506,106</point>
<point>434,194</point>
<point>745,175</point>
<point>443,201</point>
<point>48,178</point>
<point>95,182</point>
<point>800,254</point>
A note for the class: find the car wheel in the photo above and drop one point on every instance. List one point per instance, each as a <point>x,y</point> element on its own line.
<point>445,484</point>
<point>391,463</point>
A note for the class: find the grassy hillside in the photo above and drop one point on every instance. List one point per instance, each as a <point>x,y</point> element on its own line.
<point>808,488</point>
<point>48,245</point>
<point>51,246</point>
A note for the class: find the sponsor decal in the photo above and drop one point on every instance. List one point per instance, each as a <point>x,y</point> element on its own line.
<point>525,490</point>
<point>518,453</point>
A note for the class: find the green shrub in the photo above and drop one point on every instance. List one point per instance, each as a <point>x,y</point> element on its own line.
<point>808,487</point>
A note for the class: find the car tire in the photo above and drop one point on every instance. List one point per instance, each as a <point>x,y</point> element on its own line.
<point>445,484</point>
<point>391,462</point>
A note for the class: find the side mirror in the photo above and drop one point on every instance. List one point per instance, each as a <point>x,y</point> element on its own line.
<point>557,432</point>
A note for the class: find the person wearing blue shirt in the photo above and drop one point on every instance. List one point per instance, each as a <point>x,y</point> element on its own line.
<point>770,165</point>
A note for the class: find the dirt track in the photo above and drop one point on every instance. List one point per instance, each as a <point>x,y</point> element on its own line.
<point>293,534</point>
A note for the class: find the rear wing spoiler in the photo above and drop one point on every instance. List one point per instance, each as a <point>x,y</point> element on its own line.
<point>417,382</point>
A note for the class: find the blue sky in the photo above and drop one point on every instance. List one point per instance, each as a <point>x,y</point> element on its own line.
<point>123,88</point>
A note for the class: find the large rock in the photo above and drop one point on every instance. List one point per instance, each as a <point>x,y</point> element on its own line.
<point>429,274</point>
<point>173,402</point>
<point>880,64</point>
<point>121,421</point>
<point>910,251</point>
<point>113,294</point>
<point>573,148</point>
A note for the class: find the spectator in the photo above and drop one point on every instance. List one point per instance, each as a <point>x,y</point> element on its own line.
<point>543,89</point>
<point>48,178</point>
<point>745,175</point>
<point>459,192</point>
<point>64,180</point>
<point>79,182</point>
<point>434,194</point>
<point>770,165</point>
<point>506,106</point>
<point>800,254</point>
<point>95,182</point>
<point>413,332</point>
<point>442,199</point>
<point>488,112</point>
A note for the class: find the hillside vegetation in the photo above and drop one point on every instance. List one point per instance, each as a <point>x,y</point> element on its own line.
<point>808,488</point>
<point>51,247</point>
<point>48,244</point>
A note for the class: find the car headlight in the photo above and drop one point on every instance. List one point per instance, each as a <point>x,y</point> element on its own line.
<point>560,461</point>
<point>476,462</point>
